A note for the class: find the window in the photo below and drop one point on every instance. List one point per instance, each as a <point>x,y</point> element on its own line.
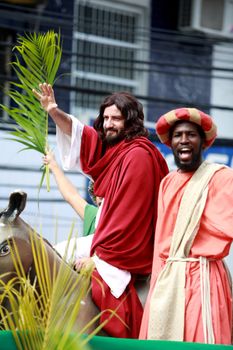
<point>107,45</point>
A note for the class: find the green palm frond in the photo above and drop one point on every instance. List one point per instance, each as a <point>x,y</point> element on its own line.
<point>37,59</point>
<point>44,314</point>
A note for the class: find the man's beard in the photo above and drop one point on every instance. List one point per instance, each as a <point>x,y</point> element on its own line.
<point>111,140</point>
<point>191,166</point>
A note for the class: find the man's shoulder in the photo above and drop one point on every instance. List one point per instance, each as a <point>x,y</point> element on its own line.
<point>222,182</point>
<point>138,149</point>
<point>142,145</point>
<point>224,172</point>
<point>171,175</point>
<point>137,158</point>
<point>140,153</point>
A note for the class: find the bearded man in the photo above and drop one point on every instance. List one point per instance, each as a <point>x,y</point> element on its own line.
<point>126,169</point>
<point>190,296</point>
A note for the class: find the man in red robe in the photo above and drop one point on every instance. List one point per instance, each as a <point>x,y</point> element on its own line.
<point>127,169</point>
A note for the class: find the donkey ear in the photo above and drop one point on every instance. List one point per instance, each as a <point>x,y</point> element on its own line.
<point>17,202</point>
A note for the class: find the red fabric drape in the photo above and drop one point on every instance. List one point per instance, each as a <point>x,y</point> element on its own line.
<point>128,177</point>
<point>128,309</point>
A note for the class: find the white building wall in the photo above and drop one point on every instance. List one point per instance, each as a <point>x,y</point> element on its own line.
<point>53,218</point>
<point>222,95</point>
<point>222,89</point>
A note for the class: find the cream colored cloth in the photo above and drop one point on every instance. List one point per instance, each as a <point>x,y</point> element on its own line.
<point>69,146</point>
<point>167,305</point>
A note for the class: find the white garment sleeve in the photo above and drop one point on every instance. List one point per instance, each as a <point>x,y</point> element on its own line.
<point>80,247</point>
<point>69,146</point>
<point>116,279</point>
<point>76,248</point>
<point>97,218</point>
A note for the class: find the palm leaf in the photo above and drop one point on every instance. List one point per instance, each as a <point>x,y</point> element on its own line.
<point>45,317</point>
<point>37,59</point>
<point>45,320</point>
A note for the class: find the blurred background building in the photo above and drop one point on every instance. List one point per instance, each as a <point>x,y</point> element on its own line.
<point>168,53</point>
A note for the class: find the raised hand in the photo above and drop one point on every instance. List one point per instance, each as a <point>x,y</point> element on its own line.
<point>46,97</point>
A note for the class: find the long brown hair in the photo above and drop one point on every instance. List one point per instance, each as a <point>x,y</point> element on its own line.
<point>132,111</point>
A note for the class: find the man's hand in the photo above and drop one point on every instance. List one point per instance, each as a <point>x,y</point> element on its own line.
<point>84,264</point>
<point>46,97</point>
<point>50,160</point>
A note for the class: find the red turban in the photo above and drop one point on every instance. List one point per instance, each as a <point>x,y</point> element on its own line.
<point>192,115</point>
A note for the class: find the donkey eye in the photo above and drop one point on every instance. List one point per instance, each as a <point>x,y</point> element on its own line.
<point>4,249</point>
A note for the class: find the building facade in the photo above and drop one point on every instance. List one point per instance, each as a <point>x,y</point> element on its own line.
<point>168,53</point>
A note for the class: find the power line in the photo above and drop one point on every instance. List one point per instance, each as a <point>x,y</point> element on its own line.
<point>26,169</point>
<point>41,200</point>
<point>19,13</point>
<point>151,99</point>
<point>193,44</point>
